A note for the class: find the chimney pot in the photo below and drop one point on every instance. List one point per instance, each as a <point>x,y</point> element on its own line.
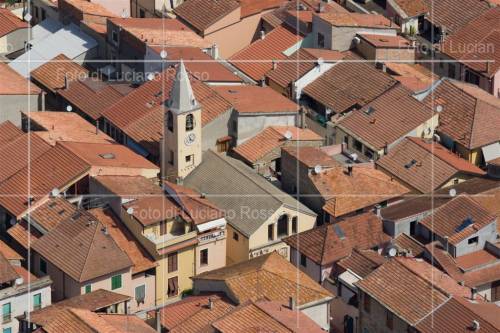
<point>473,293</point>
<point>292,303</point>
<point>210,303</point>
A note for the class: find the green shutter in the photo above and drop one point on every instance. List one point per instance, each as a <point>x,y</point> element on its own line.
<point>88,288</point>
<point>7,330</point>
<point>140,293</point>
<point>116,282</point>
<point>37,300</point>
<point>6,312</point>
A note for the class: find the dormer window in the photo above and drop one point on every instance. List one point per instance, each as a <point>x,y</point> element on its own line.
<point>189,122</point>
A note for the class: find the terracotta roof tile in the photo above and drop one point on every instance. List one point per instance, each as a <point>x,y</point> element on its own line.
<point>406,242</point>
<point>15,84</point>
<point>345,194</point>
<point>349,84</point>
<point>327,244</point>
<point>362,262</point>
<point>392,116</point>
<point>8,252</point>
<point>470,116</point>
<point>9,22</point>
<point>453,15</point>
<point>311,156</point>
<point>458,219</point>
<point>425,165</point>
<point>50,214</point>
<point>271,139</point>
<point>458,315</point>
<point>90,96</point>
<point>97,254</point>
<point>52,74</point>
<point>410,8</point>
<point>124,239</point>
<point>257,59</point>
<point>24,237</point>
<point>56,168</point>
<point>91,8</point>
<point>129,186</point>
<point>384,41</point>
<point>243,99</point>
<point>201,14</point>
<point>341,19</point>
<point>7,272</point>
<point>269,276</point>
<point>65,126</point>
<point>413,76</point>
<point>404,292</point>
<point>8,132</point>
<point>252,7</point>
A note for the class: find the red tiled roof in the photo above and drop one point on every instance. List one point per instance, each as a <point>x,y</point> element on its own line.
<point>470,116</point>
<point>10,22</point>
<point>478,40</point>
<point>56,168</point>
<point>257,59</point>
<point>327,244</point>
<point>364,188</point>
<point>411,8</point>
<point>7,272</point>
<point>79,247</point>
<point>51,213</point>
<point>349,19</point>
<point>90,96</point>
<point>393,115</point>
<point>271,139</point>
<point>52,74</point>
<point>206,70</point>
<point>446,221</point>
<point>201,14</point>
<point>453,15</point>
<point>252,7</point>
<point>424,165</point>
<point>8,252</point>
<point>24,237</point>
<point>243,99</point>
<point>349,84</point>
<point>362,262</point>
<point>384,41</point>
<point>405,242</point>
<point>311,156</point>
<point>413,76</point>
<point>15,84</point>
<point>8,132</point>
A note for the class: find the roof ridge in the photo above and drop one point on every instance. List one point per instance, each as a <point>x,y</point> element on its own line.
<point>302,286</point>
<point>271,316</point>
<point>89,247</point>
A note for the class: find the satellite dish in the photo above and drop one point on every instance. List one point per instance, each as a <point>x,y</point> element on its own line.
<point>354,156</point>
<point>150,76</point>
<point>19,281</point>
<point>130,210</point>
<point>320,61</point>
<point>392,252</point>
<point>163,54</point>
<point>55,192</point>
<point>69,108</point>
<point>439,108</point>
<point>453,192</point>
<point>124,14</point>
<point>317,169</point>
<point>288,135</point>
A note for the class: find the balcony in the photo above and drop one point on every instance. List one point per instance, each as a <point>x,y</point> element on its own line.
<point>168,240</point>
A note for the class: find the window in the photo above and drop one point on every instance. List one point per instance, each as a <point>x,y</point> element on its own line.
<point>389,320</point>
<point>37,301</point>
<point>321,41</point>
<point>6,313</point>
<point>44,14</point>
<point>294,224</point>
<point>163,227</point>
<point>114,36</point>
<point>172,287</point>
<point>140,294</point>
<point>366,302</point>
<point>189,122</point>
<point>473,240</point>
<point>283,226</point>
<point>303,260</point>
<point>88,288</point>
<point>235,126</point>
<point>190,159</point>
<point>7,330</point>
<point>43,266</point>
<point>170,121</point>
<point>142,13</point>
<point>171,158</point>
<point>357,145</point>
<point>172,262</point>
<point>270,232</point>
<point>471,77</point>
<point>116,282</point>
<point>236,237</point>
<point>451,70</point>
<point>204,257</point>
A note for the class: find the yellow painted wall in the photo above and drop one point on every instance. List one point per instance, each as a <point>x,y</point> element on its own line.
<point>236,251</point>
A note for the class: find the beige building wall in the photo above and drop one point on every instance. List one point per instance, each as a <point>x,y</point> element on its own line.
<point>216,255</point>
<point>236,250</point>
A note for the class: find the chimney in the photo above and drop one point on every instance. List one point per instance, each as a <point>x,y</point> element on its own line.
<point>349,170</point>
<point>263,81</point>
<point>473,293</point>
<point>66,81</point>
<point>210,303</point>
<point>475,326</point>
<point>377,210</point>
<point>275,64</point>
<point>97,127</point>
<point>292,304</point>
<point>487,66</point>
<point>262,34</point>
<point>302,115</point>
<point>321,7</point>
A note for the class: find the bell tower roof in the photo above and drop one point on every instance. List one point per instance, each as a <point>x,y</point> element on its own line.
<point>182,97</point>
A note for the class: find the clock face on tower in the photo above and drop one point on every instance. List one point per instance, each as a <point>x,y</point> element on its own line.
<point>189,140</point>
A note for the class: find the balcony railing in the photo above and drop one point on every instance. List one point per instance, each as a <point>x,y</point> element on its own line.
<point>167,240</point>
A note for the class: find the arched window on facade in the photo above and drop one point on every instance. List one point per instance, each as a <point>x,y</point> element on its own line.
<point>170,121</point>
<point>189,122</point>
<point>283,225</point>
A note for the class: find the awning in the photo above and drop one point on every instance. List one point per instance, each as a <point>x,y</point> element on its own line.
<point>491,152</point>
<point>211,225</point>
